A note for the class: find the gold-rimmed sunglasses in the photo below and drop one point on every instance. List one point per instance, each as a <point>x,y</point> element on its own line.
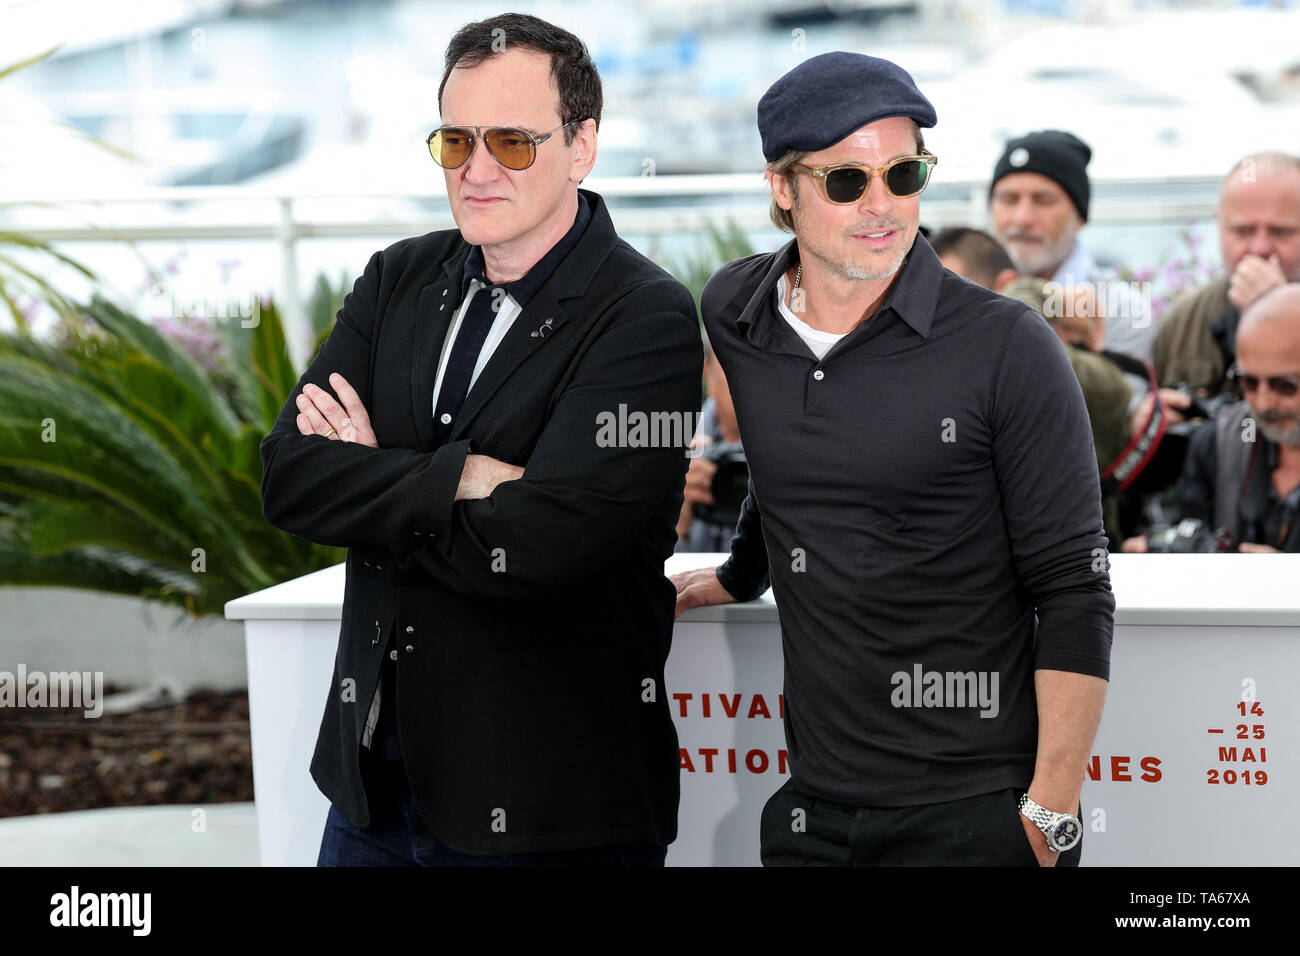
<point>513,148</point>
<point>846,183</point>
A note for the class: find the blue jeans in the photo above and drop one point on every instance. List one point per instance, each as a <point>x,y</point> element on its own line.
<point>398,835</point>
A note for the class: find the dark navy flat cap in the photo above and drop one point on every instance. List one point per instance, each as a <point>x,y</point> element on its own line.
<point>827,97</point>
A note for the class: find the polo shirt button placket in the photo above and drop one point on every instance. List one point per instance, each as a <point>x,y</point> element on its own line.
<point>819,375</point>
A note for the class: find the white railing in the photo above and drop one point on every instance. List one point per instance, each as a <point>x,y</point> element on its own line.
<point>741,198</point>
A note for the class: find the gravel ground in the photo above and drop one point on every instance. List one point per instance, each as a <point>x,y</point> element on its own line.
<point>196,751</point>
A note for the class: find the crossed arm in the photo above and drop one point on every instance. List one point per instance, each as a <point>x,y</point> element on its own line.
<point>452,514</point>
<point>347,420</point>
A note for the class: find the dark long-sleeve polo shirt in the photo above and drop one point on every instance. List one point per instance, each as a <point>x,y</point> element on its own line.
<point>916,497</point>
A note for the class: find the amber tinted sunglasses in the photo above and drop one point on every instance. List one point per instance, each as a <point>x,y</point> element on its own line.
<point>513,148</point>
<point>846,183</point>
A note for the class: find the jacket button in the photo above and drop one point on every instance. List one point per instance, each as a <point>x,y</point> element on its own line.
<point>410,629</point>
<point>366,563</point>
<point>393,654</point>
<point>446,418</point>
<point>409,649</point>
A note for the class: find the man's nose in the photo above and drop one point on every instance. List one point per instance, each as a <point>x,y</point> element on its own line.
<point>481,167</point>
<point>1022,213</point>
<point>1260,244</point>
<point>876,200</point>
<point>1265,399</point>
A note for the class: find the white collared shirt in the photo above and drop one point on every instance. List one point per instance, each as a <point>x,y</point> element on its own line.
<point>818,341</point>
<point>505,317</point>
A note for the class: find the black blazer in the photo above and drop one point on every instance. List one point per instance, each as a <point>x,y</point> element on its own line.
<point>532,626</point>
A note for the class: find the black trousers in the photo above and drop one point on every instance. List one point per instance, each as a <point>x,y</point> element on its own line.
<point>399,836</point>
<point>798,829</point>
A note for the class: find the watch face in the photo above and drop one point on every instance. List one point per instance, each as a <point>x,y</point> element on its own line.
<point>1066,834</point>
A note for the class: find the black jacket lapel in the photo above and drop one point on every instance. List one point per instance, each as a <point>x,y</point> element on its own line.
<point>437,304</point>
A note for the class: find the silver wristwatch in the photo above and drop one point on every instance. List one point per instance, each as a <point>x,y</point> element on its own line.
<point>1063,830</point>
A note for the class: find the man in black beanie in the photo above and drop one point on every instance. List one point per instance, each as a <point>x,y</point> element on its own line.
<point>1038,199</point>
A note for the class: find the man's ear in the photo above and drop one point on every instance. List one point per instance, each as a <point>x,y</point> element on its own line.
<point>780,186</point>
<point>1003,279</point>
<point>584,150</point>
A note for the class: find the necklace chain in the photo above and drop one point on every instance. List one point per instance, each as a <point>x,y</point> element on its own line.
<point>798,274</point>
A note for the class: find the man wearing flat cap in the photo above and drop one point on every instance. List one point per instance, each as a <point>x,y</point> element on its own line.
<point>922,485</point>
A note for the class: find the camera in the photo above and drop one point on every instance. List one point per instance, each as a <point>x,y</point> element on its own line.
<point>730,483</point>
<point>1200,408</point>
<point>1166,463</point>
<point>1191,536</point>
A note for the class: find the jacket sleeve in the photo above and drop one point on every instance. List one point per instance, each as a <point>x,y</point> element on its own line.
<point>341,493</point>
<point>745,573</point>
<point>1047,477</point>
<point>1196,483</point>
<point>587,490</point>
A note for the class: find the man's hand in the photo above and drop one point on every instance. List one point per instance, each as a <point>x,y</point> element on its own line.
<point>699,588</point>
<point>699,486</point>
<point>699,481</point>
<point>1173,399</point>
<point>320,414</point>
<point>1038,840</point>
<point>1249,547</point>
<point>482,474</point>
<point>1253,277</point>
<point>1134,545</point>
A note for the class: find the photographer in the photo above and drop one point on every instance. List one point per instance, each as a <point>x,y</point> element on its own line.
<point>1259,242</point>
<point>1241,477</point>
<point>718,476</point>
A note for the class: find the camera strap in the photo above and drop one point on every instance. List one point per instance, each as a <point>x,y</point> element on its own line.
<point>1130,462</point>
<point>1290,509</point>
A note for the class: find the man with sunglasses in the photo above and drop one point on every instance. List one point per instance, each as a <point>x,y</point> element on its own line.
<point>1259,243</point>
<point>922,483</point>
<point>498,695</point>
<point>1242,470</point>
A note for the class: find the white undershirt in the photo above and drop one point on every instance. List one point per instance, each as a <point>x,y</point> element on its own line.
<point>820,342</point>
<point>504,317</point>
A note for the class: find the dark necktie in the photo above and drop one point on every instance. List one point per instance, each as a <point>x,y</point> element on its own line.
<point>465,351</point>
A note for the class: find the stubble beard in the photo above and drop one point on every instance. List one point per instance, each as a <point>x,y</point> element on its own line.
<point>848,270</point>
<point>1284,435</point>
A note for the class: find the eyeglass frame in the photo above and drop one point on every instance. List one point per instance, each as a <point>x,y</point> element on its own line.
<point>819,174</point>
<point>1238,374</point>
<point>480,132</point>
